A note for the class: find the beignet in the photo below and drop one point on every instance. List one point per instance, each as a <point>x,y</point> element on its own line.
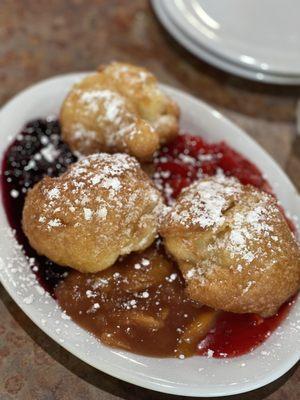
<point>118,108</point>
<point>102,207</point>
<point>233,246</point>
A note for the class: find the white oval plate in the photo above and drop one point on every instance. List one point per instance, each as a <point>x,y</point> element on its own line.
<point>262,35</point>
<point>196,376</point>
<point>200,51</point>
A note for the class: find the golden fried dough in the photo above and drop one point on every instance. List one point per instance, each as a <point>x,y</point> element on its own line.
<point>102,207</point>
<point>233,246</point>
<point>118,108</point>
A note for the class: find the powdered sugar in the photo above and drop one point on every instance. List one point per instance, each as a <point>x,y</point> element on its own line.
<point>54,193</point>
<point>251,225</point>
<point>53,223</point>
<point>49,152</point>
<point>111,103</point>
<point>113,183</point>
<point>80,132</point>
<point>14,194</point>
<point>133,75</point>
<point>204,202</point>
<point>114,122</point>
<point>88,213</point>
<point>102,212</point>
<point>82,177</point>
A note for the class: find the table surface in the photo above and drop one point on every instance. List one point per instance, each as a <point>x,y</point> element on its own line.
<point>39,39</point>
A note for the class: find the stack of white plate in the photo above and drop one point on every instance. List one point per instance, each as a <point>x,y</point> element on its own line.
<point>255,39</point>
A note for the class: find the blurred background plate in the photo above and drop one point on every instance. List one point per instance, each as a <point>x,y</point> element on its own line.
<point>254,49</point>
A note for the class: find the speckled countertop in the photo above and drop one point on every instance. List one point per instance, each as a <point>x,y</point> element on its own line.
<point>41,38</point>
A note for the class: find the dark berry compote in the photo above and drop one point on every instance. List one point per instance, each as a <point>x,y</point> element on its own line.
<point>38,151</point>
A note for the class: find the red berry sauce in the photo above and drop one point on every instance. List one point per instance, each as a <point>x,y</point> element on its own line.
<point>38,151</point>
<point>189,158</point>
<point>237,334</point>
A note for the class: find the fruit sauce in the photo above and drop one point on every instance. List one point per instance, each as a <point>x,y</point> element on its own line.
<point>38,151</point>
